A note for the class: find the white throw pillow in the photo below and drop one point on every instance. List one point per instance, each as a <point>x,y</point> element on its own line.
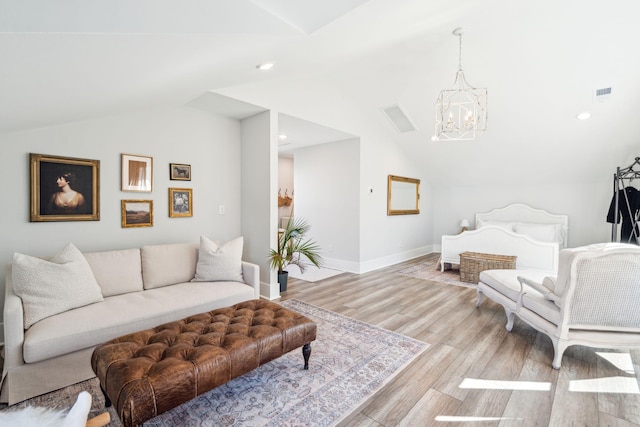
<point>219,263</point>
<point>49,287</point>
<point>507,225</point>
<point>541,232</point>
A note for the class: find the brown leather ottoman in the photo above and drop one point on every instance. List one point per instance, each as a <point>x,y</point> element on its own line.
<point>152,371</point>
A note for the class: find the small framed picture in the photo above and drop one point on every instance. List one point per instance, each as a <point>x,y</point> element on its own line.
<point>137,213</point>
<point>179,172</point>
<point>180,202</point>
<point>137,173</point>
<point>64,188</point>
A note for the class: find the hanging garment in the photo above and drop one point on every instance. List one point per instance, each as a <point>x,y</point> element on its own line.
<point>628,214</point>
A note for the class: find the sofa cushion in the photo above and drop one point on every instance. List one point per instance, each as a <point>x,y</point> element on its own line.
<point>117,272</point>
<point>219,262</point>
<point>169,264</point>
<point>49,287</point>
<point>118,315</point>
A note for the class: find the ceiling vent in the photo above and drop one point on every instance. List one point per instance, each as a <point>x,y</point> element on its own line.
<point>399,118</point>
<point>603,94</point>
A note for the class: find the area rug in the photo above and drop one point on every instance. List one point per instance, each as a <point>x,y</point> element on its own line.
<point>312,273</point>
<point>430,270</point>
<point>350,361</point>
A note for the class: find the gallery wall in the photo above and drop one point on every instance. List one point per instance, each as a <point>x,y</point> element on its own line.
<point>210,144</point>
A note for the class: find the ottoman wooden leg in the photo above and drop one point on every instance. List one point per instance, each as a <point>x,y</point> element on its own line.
<point>107,401</point>
<point>306,352</point>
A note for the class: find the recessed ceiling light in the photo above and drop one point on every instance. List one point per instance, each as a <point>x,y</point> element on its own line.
<point>583,116</point>
<point>282,136</point>
<point>266,66</point>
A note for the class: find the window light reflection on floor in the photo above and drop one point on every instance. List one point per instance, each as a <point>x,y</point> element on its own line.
<point>505,385</point>
<point>621,361</point>
<point>620,385</point>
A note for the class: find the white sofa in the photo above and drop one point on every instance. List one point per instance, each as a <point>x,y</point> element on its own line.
<point>593,301</point>
<point>141,288</point>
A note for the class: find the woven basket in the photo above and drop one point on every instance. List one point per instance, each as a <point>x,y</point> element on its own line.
<point>472,263</point>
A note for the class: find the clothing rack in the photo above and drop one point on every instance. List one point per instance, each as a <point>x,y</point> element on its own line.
<point>626,202</point>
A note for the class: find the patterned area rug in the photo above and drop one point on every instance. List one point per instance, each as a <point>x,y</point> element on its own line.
<point>350,361</point>
<point>430,270</point>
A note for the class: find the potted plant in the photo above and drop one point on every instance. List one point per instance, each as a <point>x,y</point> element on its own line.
<point>294,249</point>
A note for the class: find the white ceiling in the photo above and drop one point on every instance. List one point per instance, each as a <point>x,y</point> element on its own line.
<point>68,60</point>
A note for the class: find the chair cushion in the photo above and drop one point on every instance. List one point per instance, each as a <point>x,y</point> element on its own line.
<point>536,302</point>
<point>506,281</point>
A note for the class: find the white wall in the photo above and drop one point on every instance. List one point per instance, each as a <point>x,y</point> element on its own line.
<point>259,195</point>
<point>327,181</point>
<point>586,204</point>
<point>210,144</point>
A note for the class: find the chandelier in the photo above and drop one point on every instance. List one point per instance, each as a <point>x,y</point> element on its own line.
<point>462,110</point>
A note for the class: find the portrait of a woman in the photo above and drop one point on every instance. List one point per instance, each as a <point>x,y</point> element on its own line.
<point>66,200</point>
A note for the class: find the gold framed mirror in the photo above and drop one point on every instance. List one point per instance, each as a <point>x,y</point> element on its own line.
<point>403,195</point>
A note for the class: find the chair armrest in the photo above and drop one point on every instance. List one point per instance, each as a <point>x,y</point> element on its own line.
<point>546,292</point>
<point>251,275</point>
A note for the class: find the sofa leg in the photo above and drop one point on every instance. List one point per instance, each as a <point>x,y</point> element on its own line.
<point>306,352</point>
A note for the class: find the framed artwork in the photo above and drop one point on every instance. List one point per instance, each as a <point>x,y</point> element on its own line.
<point>137,173</point>
<point>137,213</point>
<point>64,188</point>
<point>179,172</point>
<point>180,202</point>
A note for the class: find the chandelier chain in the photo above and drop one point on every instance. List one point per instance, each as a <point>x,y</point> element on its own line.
<point>459,52</point>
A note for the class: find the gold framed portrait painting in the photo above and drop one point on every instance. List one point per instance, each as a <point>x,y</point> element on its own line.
<point>137,213</point>
<point>64,188</point>
<point>180,202</point>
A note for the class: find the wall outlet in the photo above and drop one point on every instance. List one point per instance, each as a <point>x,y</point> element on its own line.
<point>221,209</point>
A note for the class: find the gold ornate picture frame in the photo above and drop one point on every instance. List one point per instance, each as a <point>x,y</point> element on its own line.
<point>137,213</point>
<point>180,202</point>
<point>137,173</point>
<point>64,188</point>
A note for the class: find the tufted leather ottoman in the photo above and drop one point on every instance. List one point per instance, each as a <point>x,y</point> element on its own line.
<point>152,371</point>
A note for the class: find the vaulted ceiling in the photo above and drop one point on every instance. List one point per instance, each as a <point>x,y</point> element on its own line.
<point>541,61</point>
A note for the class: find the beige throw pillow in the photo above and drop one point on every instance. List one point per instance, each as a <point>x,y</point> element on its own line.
<point>219,263</point>
<point>49,287</point>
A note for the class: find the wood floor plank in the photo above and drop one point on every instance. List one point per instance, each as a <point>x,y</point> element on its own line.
<point>427,410</point>
<point>616,367</point>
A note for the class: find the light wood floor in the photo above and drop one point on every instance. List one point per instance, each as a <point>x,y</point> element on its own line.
<point>469,343</point>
